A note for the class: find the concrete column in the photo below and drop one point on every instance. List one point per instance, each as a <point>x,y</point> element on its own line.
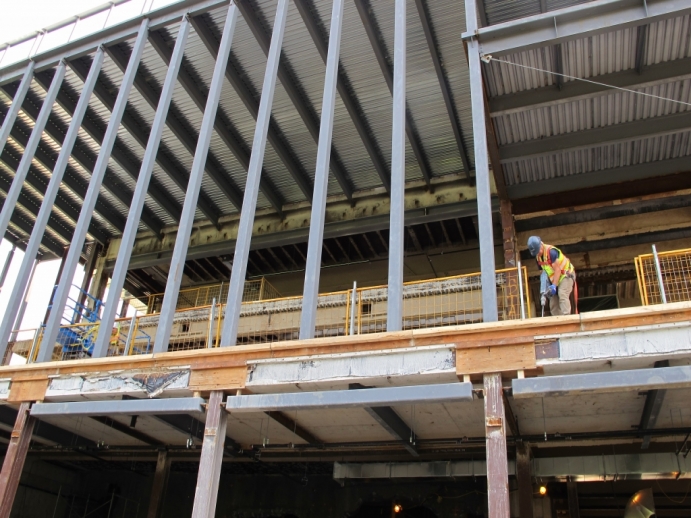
<point>211,459</point>
<point>14,459</point>
<point>159,488</point>
<point>525,480</point>
<point>497,461</point>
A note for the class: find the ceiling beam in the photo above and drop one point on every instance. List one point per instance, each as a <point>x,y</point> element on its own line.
<point>123,428</point>
<point>653,75</point>
<point>252,14</point>
<point>293,427</point>
<point>652,407</point>
<point>26,227</point>
<point>234,74</point>
<point>48,431</point>
<point>383,58</point>
<point>345,91</point>
<point>435,51</point>
<point>192,427</point>
<point>641,47</point>
<point>222,125</point>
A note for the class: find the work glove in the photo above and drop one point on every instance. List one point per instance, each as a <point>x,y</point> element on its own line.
<point>552,290</point>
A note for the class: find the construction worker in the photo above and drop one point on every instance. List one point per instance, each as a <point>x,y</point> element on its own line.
<point>560,271</point>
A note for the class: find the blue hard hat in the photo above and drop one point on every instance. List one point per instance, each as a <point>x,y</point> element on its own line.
<point>534,243</point>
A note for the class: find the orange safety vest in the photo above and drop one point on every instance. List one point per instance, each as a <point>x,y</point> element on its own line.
<point>545,262</point>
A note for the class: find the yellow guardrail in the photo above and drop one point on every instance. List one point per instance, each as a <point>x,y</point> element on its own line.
<point>674,275</point>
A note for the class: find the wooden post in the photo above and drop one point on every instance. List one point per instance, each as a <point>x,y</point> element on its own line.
<point>497,461</point>
<point>159,487</point>
<point>211,459</point>
<point>572,492</point>
<point>14,458</point>
<point>525,480</point>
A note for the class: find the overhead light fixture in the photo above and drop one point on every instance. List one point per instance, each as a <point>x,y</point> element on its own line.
<point>397,508</point>
<point>543,490</point>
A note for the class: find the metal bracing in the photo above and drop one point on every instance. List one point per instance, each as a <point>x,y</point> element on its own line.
<point>17,102</point>
<point>72,259</point>
<point>366,397</point>
<point>127,241</point>
<point>249,205</point>
<point>26,268</point>
<point>30,149</point>
<point>180,405</point>
<point>252,15</point>
<point>308,317</point>
<point>201,153</point>
<point>314,25</point>
<point>484,201</point>
<point>571,91</point>
<point>185,134</point>
<point>382,55</point>
<point>428,29</point>
<point>235,74</point>
<point>222,125</point>
<point>580,21</point>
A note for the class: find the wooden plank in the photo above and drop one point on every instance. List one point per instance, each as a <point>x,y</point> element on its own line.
<point>495,359</point>
<point>15,456</point>
<point>228,378</point>
<point>27,391</point>
<point>497,461</point>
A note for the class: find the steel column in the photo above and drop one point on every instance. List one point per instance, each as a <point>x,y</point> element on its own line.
<point>30,149</point>
<point>177,264</point>
<point>497,461</point>
<point>211,458</point>
<point>92,193</point>
<point>14,459</point>
<point>484,200</point>
<point>249,204</point>
<point>49,196</point>
<point>25,302</point>
<point>394,320</point>
<point>6,266</point>
<point>16,105</point>
<point>308,318</point>
<point>117,281</point>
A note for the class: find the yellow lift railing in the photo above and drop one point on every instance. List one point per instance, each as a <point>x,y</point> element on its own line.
<point>665,279</point>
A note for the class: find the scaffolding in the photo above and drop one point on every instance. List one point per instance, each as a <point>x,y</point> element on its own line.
<point>666,280</point>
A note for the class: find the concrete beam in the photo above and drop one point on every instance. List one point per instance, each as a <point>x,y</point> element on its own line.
<point>603,382</point>
<point>122,407</point>
<point>374,397</point>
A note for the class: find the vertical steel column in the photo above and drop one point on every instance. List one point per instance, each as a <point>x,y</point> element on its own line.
<point>394,321</point>
<point>92,193</point>
<point>14,458</point>
<point>30,149</point>
<point>211,458</point>
<point>16,105</point>
<point>25,302</point>
<point>308,318</point>
<point>497,461</point>
<point>229,332</point>
<point>117,281</point>
<point>182,241</point>
<point>484,196</point>
<point>6,266</point>
<point>22,279</point>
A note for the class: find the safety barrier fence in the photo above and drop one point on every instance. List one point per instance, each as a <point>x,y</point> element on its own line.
<point>664,276</point>
<point>430,303</point>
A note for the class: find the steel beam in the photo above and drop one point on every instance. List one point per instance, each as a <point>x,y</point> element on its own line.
<point>17,102</point>
<point>127,241</point>
<point>120,407</point>
<point>394,316</point>
<point>64,285</point>
<point>577,22</point>
<point>170,299</point>
<point>32,247</point>
<point>571,91</point>
<point>26,227</point>
<point>651,409</point>
<point>372,397</point>
<point>235,75</point>
<point>392,423</point>
<point>127,430</point>
<point>381,53</point>
<point>451,111</point>
<point>30,149</point>
<point>597,137</point>
<point>249,204</point>
<point>251,13</point>
<point>292,426</point>
<point>308,316</point>
<point>48,432</point>
<point>497,461</point>
<point>484,209</point>
<point>603,382</point>
<point>311,19</point>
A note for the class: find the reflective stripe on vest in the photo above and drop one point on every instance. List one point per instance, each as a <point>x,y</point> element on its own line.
<point>545,261</point>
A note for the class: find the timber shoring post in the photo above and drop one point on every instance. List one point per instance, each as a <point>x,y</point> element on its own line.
<point>14,458</point>
<point>497,462</point>
<point>159,486</point>
<point>211,459</point>
<point>525,481</point>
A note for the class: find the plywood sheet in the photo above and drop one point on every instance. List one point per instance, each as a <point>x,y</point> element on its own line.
<point>27,390</point>
<point>226,378</point>
<point>504,358</point>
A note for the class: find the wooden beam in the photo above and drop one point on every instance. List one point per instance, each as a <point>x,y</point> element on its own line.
<point>159,487</point>
<point>497,461</point>
<point>15,456</point>
<point>210,462</point>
